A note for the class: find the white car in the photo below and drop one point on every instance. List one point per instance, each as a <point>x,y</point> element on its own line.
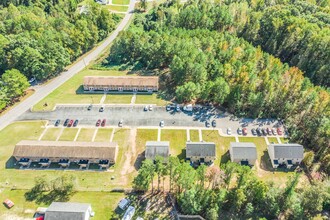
<point>239,131</point>
<point>229,131</point>
<point>161,124</point>
<point>150,108</point>
<point>124,203</point>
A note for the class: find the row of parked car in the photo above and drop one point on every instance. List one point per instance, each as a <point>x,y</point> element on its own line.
<point>258,131</point>
<point>67,123</point>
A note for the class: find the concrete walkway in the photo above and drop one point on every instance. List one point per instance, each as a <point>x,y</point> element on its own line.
<point>112,134</point>
<point>200,134</point>
<point>103,98</point>
<point>78,132</point>
<point>60,134</point>
<point>236,138</point>
<point>42,91</point>
<point>279,140</point>
<point>43,133</point>
<point>95,132</point>
<point>188,134</point>
<point>133,99</point>
<point>158,134</point>
<point>266,139</point>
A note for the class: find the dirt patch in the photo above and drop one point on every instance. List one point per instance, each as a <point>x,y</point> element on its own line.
<point>13,217</point>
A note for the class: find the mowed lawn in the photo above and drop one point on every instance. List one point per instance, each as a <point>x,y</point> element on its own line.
<point>272,139</point>
<point>103,203</point>
<point>68,134</point>
<point>118,99</point>
<point>86,134</point>
<point>119,8</point>
<point>150,99</point>
<point>71,90</point>
<point>177,139</point>
<point>144,135</point>
<point>120,2</point>
<point>103,135</point>
<point>51,134</point>
<point>194,135</point>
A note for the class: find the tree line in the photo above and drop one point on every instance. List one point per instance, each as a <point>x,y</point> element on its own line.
<point>218,67</point>
<point>232,191</point>
<point>39,38</point>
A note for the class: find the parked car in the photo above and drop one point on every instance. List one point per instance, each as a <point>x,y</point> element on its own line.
<point>274,131</point>
<point>8,203</point>
<point>161,124</point>
<point>177,108</point>
<point>168,108</point>
<point>254,132</point>
<point>129,213</point>
<point>229,131</point>
<point>269,131</point>
<point>70,123</point>
<point>75,123</point>
<point>120,123</point>
<point>239,131</point>
<point>98,122</point>
<point>89,107</point>
<point>245,131</point>
<point>145,108</point>
<point>103,122</point>
<point>124,203</point>
<point>214,123</point>
<point>279,131</point>
<point>264,131</point>
<point>150,108</point>
<point>207,124</point>
<point>58,121</point>
<point>66,122</point>
<point>101,109</point>
<point>259,132</point>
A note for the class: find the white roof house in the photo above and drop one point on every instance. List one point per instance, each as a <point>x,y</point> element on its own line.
<point>68,211</point>
<point>285,154</point>
<point>244,153</point>
<point>157,148</point>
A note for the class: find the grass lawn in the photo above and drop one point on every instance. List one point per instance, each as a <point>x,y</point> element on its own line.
<point>118,99</point>
<point>51,134</point>
<point>194,135</point>
<point>150,99</point>
<point>272,139</point>
<point>117,8</point>
<point>144,135</point>
<point>103,135</point>
<point>177,139</point>
<point>222,145</point>
<point>120,2</point>
<point>103,203</point>
<point>68,134</point>
<point>284,140</point>
<point>86,134</point>
<point>71,90</point>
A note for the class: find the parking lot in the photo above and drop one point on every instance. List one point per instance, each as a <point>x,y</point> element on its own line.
<point>136,116</point>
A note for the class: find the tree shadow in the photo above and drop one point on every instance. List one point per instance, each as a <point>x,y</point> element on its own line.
<point>11,163</point>
<point>182,155</point>
<point>265,163</point>
<point>225,157</point>
<point>138,161</point>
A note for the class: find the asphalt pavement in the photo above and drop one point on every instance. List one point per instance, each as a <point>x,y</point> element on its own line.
<point>44,90</point>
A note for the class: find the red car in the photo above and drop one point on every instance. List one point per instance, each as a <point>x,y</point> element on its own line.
<point>279,131</point>
<point>70,123</point>
<point>8,203</point>
<point>103,122</point>
<point>98,122</point>
<point>245,131</point>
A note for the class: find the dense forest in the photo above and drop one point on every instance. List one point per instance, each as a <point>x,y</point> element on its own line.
<point>38,38</point>
<point>217,66</point>
<point>232,191</point>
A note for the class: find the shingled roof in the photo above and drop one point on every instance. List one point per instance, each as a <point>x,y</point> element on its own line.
<point>65,149</point>
<point>121,81</point>
<point>285,151</point>
<point>200,149</point>
<point>67,211</point>
<point>153,148</point>
<point>243,150</point>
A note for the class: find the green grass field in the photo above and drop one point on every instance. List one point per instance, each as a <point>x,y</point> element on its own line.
<point>118,99</point>
<point>71,90</point>
<point>103,135</point>
<point>177,139</point>
<point>144,135</point>
<point>119,8</point>
<point>51,134</point>
<point>284,140</point>
<point>86,134</point>
<point>120,2</point>
<point>272,139</point>
<point>68,134</point>
<point>194,135</point>
<point>150,99</point>
<point>222,145</point>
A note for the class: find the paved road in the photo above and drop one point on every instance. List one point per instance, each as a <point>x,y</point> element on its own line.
<point>44,90</point>
<point>135,116</point>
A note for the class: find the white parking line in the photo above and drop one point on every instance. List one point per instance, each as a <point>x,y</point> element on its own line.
<point>75,138</point>
<point>112,134</point>
<point>43,133</point>
<point>158,135</point>
<point>200,134</point>
<point>60,134</point>
<point>188,135</point>
<point>94,134</point>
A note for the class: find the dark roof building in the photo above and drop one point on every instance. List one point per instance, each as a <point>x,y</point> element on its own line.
<point>288,154</point>
<point>243,152</point>
<point>68,211</point>
<point>200,152</point>
<point>154,148</point>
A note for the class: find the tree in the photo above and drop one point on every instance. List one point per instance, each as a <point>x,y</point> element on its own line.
<point>14,83</point>
<point>187,92</point>
<point>313,198</point>
<point>145,176</point>
<point>308,159</point>
<point>159,168</point>
<point>143,5</point>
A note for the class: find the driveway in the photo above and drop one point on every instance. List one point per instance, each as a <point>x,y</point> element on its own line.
<point>135,116</point>
<point>44,90</point>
